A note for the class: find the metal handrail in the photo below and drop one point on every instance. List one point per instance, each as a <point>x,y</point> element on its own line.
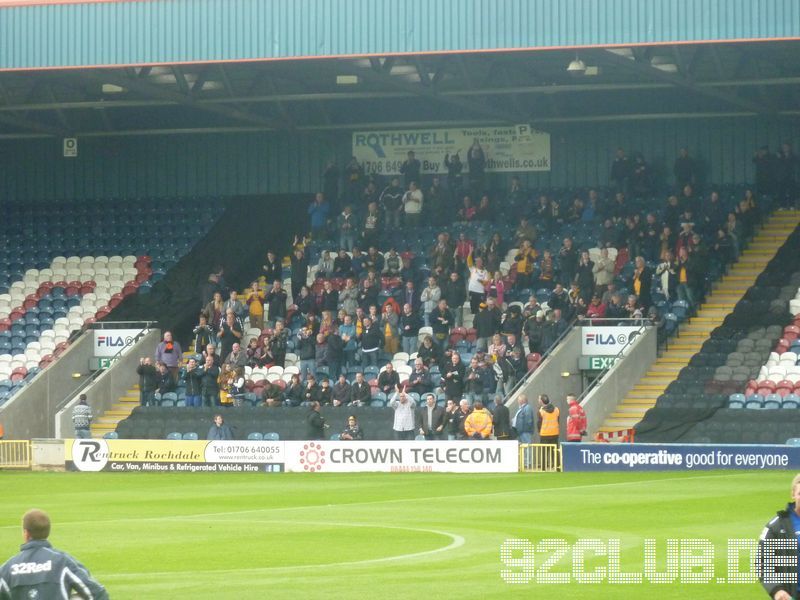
<point>89,379</point>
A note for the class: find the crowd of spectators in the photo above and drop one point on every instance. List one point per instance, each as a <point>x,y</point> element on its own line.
<point>468,316</point>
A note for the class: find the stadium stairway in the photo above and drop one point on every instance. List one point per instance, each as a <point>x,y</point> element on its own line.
<point>691,335</point>
<point>108,421</point>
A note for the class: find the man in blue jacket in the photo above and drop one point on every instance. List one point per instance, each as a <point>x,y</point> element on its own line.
<point>42,572</point>
<point>523,421</point>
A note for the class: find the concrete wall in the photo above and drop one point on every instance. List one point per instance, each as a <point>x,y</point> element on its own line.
<point>548,378</point>
<point>619,380</point>
<point>47,455</point>
<point>29,414</point>
<point>110,385</point>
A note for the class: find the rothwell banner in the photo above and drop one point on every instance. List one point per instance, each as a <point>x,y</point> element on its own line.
<point>302,457</point>
<point>507,149</point>
<point>677,457</point>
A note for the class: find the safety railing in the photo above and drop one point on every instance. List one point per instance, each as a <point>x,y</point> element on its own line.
<point>540,458</point>
<point>15,454</point>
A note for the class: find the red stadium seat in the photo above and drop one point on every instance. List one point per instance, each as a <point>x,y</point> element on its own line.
<point>791,332</point>
<point>16,314</point>
<point>785,387</point>
<point>72,289</point>
<point>5,324</point>
<point>765,388</point>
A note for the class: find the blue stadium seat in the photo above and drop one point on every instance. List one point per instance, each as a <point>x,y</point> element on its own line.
<point>255,436</point>
<point>736,401</point>
<point>190,436</point>
<point>175,435</point>
<point>271,437</point>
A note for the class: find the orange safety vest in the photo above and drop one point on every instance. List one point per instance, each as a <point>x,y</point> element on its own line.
<point>549,422</point>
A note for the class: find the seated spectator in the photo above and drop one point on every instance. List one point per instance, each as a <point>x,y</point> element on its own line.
<point>353,430</point>
<point>392,263</point>
<point>478,424</point>
<point>256,355</point>
<point>237,358</point>
<point>360,392</point>
<point>467,211</point>
<point>164,382</point>
<point>374,262</point>
<point>429,353</point>
<point>294,393</point>
<point>310,389</point>
<point>342,264</point>
<point>419,381</point>
<point>559,298</point>
<point>271,394</point>
<point>325,393</point>
<point>219,430</point>
<point>340,393</point>
<point>615,309</point>
<point>388,380</point>
<point>596,308</point>
<point>325,265</point>
<point>484,210</point>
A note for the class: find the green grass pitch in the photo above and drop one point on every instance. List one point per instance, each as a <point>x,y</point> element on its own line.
<point>380,535</point>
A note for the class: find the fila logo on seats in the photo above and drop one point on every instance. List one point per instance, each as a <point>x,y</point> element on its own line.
<point>114,341</point>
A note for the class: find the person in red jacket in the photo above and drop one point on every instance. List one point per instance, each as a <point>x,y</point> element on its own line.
<point>576,421</point>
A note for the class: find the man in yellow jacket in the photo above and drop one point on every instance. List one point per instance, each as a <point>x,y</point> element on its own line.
<point>478,425</point>
<point>548,426</point>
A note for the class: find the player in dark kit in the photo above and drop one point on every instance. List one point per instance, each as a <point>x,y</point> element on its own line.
<point>41,572</point>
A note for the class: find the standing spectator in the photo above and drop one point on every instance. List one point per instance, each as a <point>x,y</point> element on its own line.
<point>430,419</point>
<point>486,325</point>
<point>567,261</point>
<point>451,420</point>
<point>412,204</point>
<point>620,171</point>
<point>330,182</point>
<point>233,303</point>
<point>278,344</point>
<point>478,281</point>
<point>392,202</point>
<point>684,169</point>
<point>765,164</point>
<point>410,169</point>
<point>169,352</point>
<point>404,408</point>
<point>213,311</point>
<point>354,178</point>
<point>318,211</point>
<point>409,326</point>
<point>522,422</point>
<point>219,430</point>
<point>329,299</point>
<point>348,297</point>
<point>548,428</point>
<point>534,329</point>
<point>441,320</point>
<point>230,332</point>
<point>603,270</point>
<point>342,264</point>
<point>478,424</point>
<point>346,224</point>
<point>435,202</point>
<point>276,303</point>
<point>501,419</point>
<point>315,422</point>
<point>454,168</point>
<point>461,416</point>
<point>640,179</point>
<point>148,381</point>
<point>255,304</point>
<point>325,264</point>
<point>373,225</point>
<point>576,421</point>
<point>686,278</point>
<point>786,176</point>
<point>273,270</point>
<point>299,272</point>
<point>82,418</point>
<point>193,383</point>
<point>203,334</point>
<point>455,293</point>
<point>334,352</point>
<point>165,384</point>
<point>584,276</point>
<point>453,378</point>
<point>392,263</point>
<point>476,163</point>
<point>524,262</point>
<point>306,351</point>
<point>430,298</point>
<point>371,343</point>
<point>474,381</point>
<point>642,282</point>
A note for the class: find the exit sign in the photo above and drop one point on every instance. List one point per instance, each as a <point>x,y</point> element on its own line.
<point>596,363</point>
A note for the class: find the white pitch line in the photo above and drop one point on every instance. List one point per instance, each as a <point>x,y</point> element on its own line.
<point>456,542</point>
<point>395,500</point>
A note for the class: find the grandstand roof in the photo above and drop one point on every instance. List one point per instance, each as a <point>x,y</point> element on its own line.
<point>534,86</point>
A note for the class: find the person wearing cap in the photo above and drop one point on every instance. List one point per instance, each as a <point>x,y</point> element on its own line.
<point>41,572</point>
<point>82,418</point>
<point>778,552</point>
